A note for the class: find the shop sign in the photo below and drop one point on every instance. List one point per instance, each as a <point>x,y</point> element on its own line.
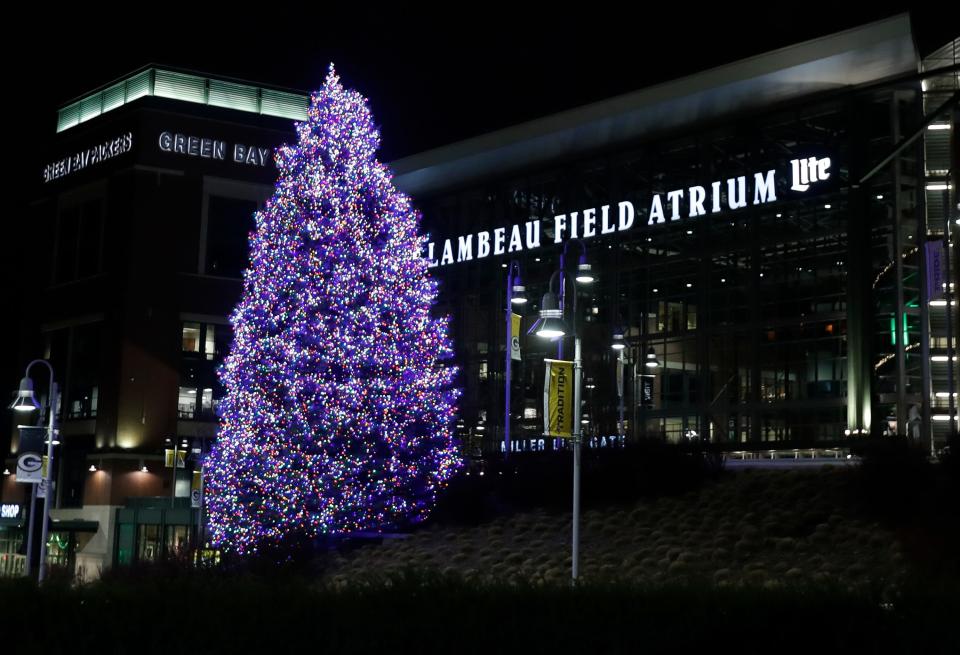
<point>85,158</point>
<point>9,511</point>
<point>681,204</point>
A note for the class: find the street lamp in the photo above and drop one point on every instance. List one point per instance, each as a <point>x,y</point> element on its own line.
<point>25,402</point>
<point>619,345</point>
<point>618,341</point>
<point>553,327</point>
<point>584,271</point>
<point>651,360</point>
<point>516,295</point>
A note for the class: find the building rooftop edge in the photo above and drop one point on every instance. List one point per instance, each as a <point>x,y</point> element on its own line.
<point>855,56</point>
<point>178,69</point>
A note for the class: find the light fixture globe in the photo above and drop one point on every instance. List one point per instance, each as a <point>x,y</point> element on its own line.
<point>618,341</point>
<point>25,400</point>
<point>519,295</point>
<point>651,359</point>
<point>584,271</point>
<point>552,325</point>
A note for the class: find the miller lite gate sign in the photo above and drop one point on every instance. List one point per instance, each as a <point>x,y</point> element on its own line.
<point>718,197</point>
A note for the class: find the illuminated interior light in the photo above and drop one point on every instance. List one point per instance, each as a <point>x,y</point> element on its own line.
<point>945,394</point>
<point>828,206</point>
<point>939,187</point>
<point>942,417</point>
<point>938,126</point>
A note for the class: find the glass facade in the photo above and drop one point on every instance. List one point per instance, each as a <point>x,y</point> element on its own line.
<point>151,529</point>
<point>204,347</point>
<point>771,322</point>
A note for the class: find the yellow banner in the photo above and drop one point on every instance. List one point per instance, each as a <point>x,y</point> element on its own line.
<point>515,336</point>
<point>558,399</point>
<point>168,458</point>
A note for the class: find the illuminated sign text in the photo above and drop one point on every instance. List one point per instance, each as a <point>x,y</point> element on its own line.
<point>675,205</point>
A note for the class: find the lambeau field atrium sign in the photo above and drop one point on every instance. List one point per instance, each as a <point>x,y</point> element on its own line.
<point>679,204</point>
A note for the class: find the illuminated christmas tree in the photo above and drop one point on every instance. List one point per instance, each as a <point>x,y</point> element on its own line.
<point>338,412</point>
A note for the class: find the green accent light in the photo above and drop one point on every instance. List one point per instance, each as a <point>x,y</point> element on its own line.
<point>184,87</point>
<point>893,331</point>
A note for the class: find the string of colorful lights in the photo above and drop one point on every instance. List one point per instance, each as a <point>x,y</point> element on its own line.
<point>338,409</point>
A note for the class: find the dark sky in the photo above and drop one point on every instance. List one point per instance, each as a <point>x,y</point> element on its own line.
<point>432,77</point>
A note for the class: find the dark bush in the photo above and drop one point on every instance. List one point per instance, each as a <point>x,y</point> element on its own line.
<point>621,475</point>
<point>409,612</point>
<point>896,478</point>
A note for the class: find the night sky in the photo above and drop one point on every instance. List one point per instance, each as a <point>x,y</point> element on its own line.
<point>432,77</point>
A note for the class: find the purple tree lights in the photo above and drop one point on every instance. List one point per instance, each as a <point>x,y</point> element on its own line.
<point>338,412</point>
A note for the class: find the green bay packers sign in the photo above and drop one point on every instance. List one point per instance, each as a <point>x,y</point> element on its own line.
<point>558,399</point>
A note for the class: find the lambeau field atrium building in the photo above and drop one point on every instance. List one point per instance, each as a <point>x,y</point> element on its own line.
<point>778,235</point>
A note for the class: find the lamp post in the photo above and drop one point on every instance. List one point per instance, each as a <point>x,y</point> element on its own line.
<point>552,327</point>
<point>650,364</point>
<point>516,295</point>
<point>619,345</point>
<point>584,276</point>
<point>26,402</point>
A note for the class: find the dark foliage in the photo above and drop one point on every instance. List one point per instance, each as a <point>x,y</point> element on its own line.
<point>209,612</point>
<point>545,480</point>
<point>916,497</point>
<point>895,476</point>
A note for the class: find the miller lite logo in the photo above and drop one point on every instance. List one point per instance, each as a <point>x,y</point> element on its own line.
<point>809,170</point>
